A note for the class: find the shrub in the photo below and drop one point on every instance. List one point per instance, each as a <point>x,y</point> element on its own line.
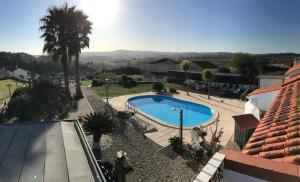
<point>124,115</point>
<point>175,142</point>
<point>158,86</point>
<point>44,101</point>
<point>96,83</point>
<point>127,82</point>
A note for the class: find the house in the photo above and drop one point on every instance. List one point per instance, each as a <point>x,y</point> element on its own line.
<point>4,73</point>
<point>21,74</point>
<point>47,151</point>
<point>163,65</point>
<point>202,65</point>
<point>269,80</point>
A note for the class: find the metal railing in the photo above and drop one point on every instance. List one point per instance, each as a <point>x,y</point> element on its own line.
<point>129,107</point>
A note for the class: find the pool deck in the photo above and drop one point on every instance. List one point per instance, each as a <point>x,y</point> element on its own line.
<point>224,106</point>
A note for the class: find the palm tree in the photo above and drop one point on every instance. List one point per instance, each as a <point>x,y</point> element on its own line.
<point>208,76</point>
<point>97,124</point>
<point>56,29</point>
<point>79,39</point>
<point>185,66</point>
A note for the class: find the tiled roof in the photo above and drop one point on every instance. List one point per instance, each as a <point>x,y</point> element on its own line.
<point>292,69</point>
<point>205,64</point>
<point>163,60</point>
<point>277,136</point>
<point>266,89</point>
<point>246,121</point>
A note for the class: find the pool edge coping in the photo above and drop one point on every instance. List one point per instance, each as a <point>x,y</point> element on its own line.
<point>207,123</point>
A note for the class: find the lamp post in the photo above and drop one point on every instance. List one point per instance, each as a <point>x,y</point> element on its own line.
<point>180,130</point>
<point>106,89</point>
<point>180,125</point>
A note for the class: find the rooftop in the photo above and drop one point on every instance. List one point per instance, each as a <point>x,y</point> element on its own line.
<point>164,60</point>
<point>47,151</point>
<point>292,69</point>
<point>277,136</point>
<point>205,64</point>
<point>266,89</point>
<point>246,121</point>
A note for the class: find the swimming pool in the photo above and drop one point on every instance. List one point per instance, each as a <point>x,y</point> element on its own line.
<point>167,110</point>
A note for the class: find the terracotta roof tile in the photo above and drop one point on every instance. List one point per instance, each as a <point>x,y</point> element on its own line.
<point>277,136</point>
<point>292,69</point>
<point>266,89</point>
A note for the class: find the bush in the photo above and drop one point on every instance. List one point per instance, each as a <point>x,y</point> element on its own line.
<point>158,86</point>
<point>96,83</point>
<point>127,82</point>
<point>44,101</point>
<point>175,142</point>
<point>124,115</point>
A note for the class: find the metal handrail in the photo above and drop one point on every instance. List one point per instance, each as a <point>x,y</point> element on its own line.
<point>129,107</point>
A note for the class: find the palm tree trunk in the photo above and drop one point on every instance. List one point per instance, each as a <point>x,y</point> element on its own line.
<point>66,71</point>
<point>96,141</point>
<point>77,77</point>
<point>186,83</point>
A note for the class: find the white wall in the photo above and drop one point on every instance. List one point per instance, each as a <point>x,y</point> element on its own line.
<point>264,82</point>
<point>20,74</point>
<point>262,101</point>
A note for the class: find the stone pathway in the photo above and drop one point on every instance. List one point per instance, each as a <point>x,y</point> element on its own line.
<point>149,164</point>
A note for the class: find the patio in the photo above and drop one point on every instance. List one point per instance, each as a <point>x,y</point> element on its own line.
<point>224,106</point>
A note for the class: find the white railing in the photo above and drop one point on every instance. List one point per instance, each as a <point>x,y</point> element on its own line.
<point>213,170</point>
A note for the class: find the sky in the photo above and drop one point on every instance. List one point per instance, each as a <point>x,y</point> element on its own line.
<point>254,26</point>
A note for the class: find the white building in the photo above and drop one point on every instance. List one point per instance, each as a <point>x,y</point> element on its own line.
<point>4,73</point>
<point>269,80</point>
<point>21,74</point>
<point>261,99</point>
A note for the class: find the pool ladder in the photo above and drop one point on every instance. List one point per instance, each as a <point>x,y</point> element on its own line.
<point>129,107</point>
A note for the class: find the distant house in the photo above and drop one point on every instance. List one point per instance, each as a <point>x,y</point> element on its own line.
<point>202,65</point>
<point>4,73</point>
<point>281,63</point>
<point>157,70</point>
<point>269,80</point>
<point>21,74</point>
<point>163,65</point>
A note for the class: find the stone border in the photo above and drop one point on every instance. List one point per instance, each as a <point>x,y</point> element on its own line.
<point>211,121</point>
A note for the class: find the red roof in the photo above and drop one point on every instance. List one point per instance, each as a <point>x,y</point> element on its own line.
<point>277,136</point>
<point>246,121</point>
<point>292,69</point>
<point>266,89</point>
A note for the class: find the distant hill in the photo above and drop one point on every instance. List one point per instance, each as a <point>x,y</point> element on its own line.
<point>121,55</point>
<point>40,65</point>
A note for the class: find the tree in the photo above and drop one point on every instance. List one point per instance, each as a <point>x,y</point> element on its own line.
<point>97,124</point>
<point>56,32</point>
<point>185,66</point>
<point>208,76</point>
<point>244,63</point>
<point>80,29</point>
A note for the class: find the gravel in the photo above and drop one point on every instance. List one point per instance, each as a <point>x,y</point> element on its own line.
<point>150,164</point>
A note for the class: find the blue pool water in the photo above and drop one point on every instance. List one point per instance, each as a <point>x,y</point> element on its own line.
<point>167,110</point>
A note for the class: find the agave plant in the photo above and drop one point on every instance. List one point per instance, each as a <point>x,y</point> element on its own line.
<point>97,124</point>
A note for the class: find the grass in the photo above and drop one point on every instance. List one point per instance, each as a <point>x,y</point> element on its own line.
<point>116,90</point>
<point>4,92</point>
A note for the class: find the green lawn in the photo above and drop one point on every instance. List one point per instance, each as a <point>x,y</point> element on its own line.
<point>4,92</point>
<point>116,90</point>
